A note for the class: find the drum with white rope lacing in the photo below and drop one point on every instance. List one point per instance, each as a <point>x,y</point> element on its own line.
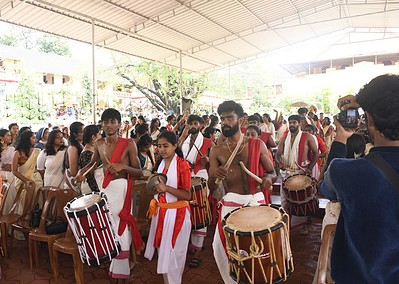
<point>93,227</point>
<point>258,245</point>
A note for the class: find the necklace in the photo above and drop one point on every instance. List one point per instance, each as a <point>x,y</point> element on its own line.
<point>239,150</point>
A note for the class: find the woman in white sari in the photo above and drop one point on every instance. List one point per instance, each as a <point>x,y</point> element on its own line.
<point>6,153</point>
<point>24,164</point>
<point>51,159</point>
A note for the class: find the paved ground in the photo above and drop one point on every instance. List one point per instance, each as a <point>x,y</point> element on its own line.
<point>15,269</point>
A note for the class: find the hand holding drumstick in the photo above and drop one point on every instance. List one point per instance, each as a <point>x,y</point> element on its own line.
<point>263,182</point>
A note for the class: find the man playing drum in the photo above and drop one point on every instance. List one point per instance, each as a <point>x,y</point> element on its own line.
<point>120,159</point>
<point>293,155</point>
<point>195,149</point>
<point>225,166</point>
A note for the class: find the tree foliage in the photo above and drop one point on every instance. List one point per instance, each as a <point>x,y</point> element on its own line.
<point>86,102</point>
<point>32,40</point>
<point>25,105</point>
<point>160,83</point>
<point>53,44</point>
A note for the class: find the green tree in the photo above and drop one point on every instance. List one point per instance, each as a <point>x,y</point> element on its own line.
<point>9,40</point>
<point>26,106</point>
<point>86,102</point>
<point>52,44</point>
<point>160,83</point>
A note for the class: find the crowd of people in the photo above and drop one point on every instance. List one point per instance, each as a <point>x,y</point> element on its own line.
<point>113,153</point>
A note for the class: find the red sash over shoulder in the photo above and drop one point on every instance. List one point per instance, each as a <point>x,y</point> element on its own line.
<point>206,144</point>
<point>254,162</point>
<point>126,217</point>
<point>183,181</point>
<point>301,150</point>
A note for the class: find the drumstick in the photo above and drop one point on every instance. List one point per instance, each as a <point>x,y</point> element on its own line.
<point>86,172</point>
<point>251,174</point>
<point>231,158</point>
<point>303,169</point>
<point>199,152</point>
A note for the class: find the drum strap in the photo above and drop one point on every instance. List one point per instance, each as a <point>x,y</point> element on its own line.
<point>386,168</point>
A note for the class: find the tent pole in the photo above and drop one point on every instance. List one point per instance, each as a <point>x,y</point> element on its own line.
<point>181,82</point>
<point>93,63</point>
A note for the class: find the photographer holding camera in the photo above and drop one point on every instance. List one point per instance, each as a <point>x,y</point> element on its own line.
<point>365,248</point>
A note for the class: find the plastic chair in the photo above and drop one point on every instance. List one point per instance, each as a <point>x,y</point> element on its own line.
<point>53,208</point>
<point>23,224</point>
<point>324,263</point>
<point>4,193</point>
<point>67,245</point>
<point>23,199</point>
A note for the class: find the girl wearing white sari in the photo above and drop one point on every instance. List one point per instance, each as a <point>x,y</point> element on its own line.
<point>24,164</point>
<point>6,153</point>
<point>51,159</point>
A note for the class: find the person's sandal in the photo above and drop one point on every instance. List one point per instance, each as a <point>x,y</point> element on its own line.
<point>194,263</point>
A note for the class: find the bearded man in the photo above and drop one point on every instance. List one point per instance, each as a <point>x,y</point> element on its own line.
<point>240,188</point>
<point>196,151</point>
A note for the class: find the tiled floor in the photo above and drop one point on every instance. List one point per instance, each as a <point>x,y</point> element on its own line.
<point>15,268</point>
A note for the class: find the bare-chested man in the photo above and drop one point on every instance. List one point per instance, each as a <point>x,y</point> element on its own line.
<point>292,153</point>
<point>121,163</point>
<point>240,189</point>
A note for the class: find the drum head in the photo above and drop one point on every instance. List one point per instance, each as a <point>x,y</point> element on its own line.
<point>84,202</point>
<point>253,219</point>
<point>298,182</point>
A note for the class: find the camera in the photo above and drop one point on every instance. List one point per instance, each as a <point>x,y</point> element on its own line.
<point>349,118</point>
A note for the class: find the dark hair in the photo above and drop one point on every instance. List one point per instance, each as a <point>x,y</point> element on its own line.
<point>302,110</point>
<point>74,129</point>
<point>255,127</point>
<point>23,143</point>
<point>315,117</point>
<point>259,116</point>
<point>23,129</point>
<point>311,126</point>
<point>380,98</point>
<point>49,147</point>
<point>194,117</point>
<point>141,129</point>
<point>3,133</point>
<point>228,106</point>
<point>356,144</point>
<point>214,120</point>
<point>253,118</point>
<point>141,117</point>
<point>152,124</point>
<point>11,125</point>
<point>294,117</point>
<point>170,117</point>
<point>143,141</point>
<point>111,113</point>
<point>209,131</point>
<point>205,117</point>
<point>88,132</point>
<point>163,129</point>
<point>267,116</point>
<point>328,119</point>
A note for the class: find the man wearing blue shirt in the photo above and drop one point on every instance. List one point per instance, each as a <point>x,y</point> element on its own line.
<point>366,243</point>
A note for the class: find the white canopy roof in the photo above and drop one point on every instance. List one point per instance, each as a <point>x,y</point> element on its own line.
<point>208,33</point>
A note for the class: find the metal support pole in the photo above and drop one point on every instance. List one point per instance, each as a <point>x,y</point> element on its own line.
<point>93,63</point>
<point>181,83</point>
